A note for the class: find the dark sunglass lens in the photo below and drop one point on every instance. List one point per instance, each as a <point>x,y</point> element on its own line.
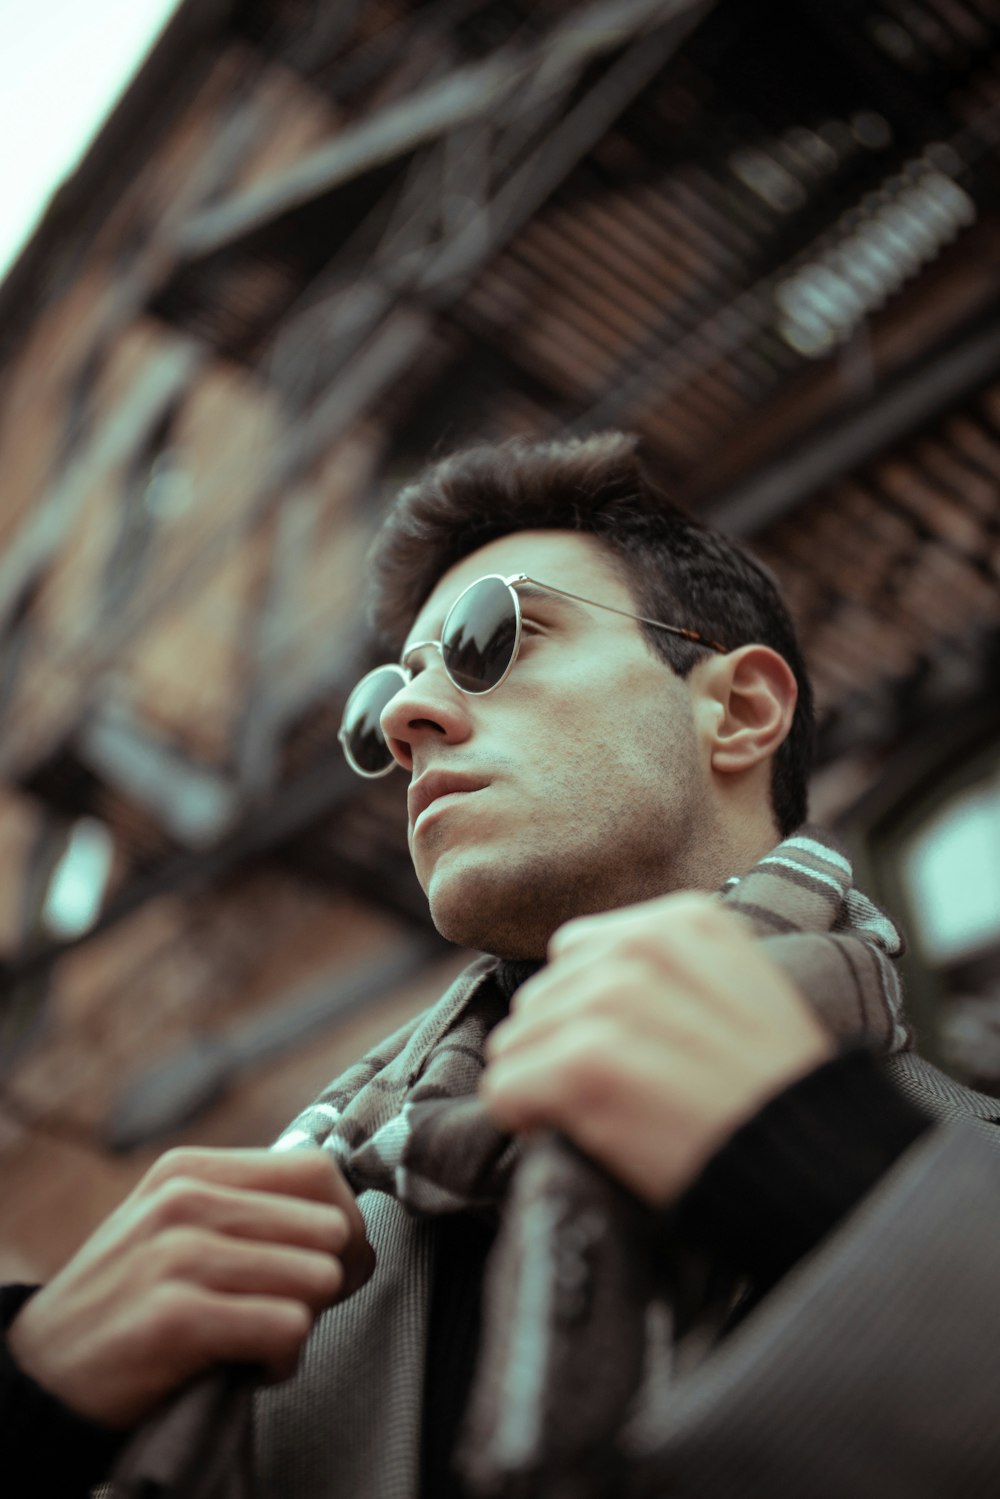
<point>360,733</point>
<point>479,635</point>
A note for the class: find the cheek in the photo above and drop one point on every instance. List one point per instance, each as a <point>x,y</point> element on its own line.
<point>597,770</point>
<point>620,718</point>
<point>649,751</point>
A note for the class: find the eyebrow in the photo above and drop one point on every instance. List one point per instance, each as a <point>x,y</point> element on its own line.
<point>544,596</point>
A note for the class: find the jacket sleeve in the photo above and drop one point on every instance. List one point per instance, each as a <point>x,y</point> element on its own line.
<point>873,1368</point>
<point>46,1450</point>
<point>795,1170</point>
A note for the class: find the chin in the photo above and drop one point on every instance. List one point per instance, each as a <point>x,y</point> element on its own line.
<point>474,913</point>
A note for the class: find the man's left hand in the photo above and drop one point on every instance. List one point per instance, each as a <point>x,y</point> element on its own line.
<point>654,1032</point>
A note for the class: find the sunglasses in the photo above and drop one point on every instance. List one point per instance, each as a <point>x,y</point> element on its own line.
<point>479,642</point>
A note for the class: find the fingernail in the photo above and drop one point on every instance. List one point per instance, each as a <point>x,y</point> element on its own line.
<point>341,1227</point>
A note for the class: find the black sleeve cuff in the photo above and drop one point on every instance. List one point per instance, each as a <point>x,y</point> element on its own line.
<point>789,1175</point>
<point>46,1449</point>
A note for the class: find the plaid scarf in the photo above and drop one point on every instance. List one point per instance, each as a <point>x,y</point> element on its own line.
<point>583,1309</point>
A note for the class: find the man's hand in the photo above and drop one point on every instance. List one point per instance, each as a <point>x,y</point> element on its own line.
<point>654,1032</point>
<point>216,1256</point>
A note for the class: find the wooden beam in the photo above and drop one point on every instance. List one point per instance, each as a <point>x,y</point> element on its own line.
<point>193,804</point>
<point>392,133</point>
<point>475,92</point>
<point>265,707</point>
<point>162,382</point>
<point>778,487</point>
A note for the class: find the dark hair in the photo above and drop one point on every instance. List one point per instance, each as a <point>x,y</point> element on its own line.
<point>677,569</point>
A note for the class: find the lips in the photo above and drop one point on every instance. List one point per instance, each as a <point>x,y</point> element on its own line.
<point>434,784</point>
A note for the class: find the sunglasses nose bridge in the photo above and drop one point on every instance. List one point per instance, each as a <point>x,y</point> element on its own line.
<point>427,702</point>
<point>419,645</point>
<point>421,678</point>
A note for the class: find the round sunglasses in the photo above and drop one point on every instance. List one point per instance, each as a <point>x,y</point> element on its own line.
<point>479,643</point>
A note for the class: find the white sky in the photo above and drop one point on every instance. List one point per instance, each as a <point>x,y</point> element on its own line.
<point>63,65</point>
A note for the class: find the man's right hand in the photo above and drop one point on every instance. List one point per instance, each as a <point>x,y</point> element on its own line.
<point>217,1256</point>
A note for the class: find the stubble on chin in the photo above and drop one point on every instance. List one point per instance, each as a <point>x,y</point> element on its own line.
<point>483,920</point>
<point>491,907</point>
<point>512,907</point>
<point>508,908</point>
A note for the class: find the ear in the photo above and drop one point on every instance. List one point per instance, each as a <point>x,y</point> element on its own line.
<point>751,695</point>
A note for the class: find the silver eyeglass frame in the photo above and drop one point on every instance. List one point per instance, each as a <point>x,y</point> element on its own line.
<point>511,583</point>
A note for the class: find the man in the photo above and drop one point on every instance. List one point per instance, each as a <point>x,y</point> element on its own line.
<point>735,1257</point>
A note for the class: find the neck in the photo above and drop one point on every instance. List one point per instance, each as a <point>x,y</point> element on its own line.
<point>733,845</point>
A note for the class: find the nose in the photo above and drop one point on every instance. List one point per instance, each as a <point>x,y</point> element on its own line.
<point>426,712</point>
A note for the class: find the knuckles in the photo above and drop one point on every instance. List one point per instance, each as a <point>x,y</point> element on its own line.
<point>313,1170</point>
<point>177,1252</point>
<point>167,1291</point>
<point>179,1202</point>
<point>173,1319</point>
<point>308,1170</point>
<point>181,1161</point>
<point>645,931</point>
<point>189,1325</point>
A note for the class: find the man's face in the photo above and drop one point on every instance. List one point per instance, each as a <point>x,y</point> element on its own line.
<point>581,783</point>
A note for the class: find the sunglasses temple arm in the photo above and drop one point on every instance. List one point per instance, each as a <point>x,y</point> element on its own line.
<point>641,619</point>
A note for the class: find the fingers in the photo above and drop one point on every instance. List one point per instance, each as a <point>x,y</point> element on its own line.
<point>698,960</point>
<point>357,1261</point>
<point>260,1330</point>
<point>683,909</point>
<point>614,990</point>
<point>296,1197</point>
<point>193,1329</point>
<point>653,1032</point>
<point>243,1214</point>
<point>583,1077</point>
<point>689,937</point>
<point>308,1173</point>
<point>639,1112</point>
<point>218,1263</point>
<point>216,1256</point>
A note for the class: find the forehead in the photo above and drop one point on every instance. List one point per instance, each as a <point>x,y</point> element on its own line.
<point>571,560</point>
